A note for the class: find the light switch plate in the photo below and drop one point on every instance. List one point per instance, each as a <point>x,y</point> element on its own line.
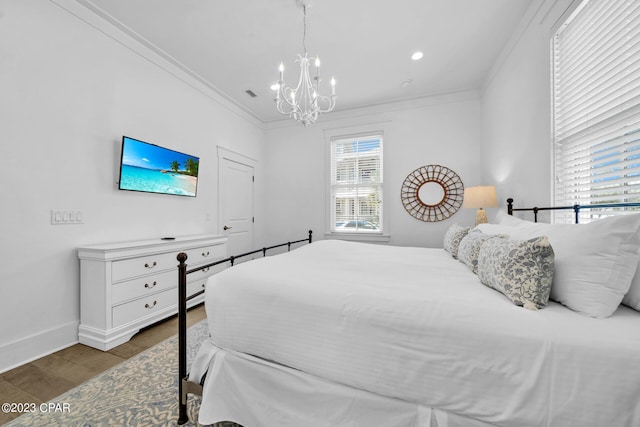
<point>66,217</point>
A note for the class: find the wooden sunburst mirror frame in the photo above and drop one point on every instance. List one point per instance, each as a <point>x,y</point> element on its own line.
<point>448,180</point>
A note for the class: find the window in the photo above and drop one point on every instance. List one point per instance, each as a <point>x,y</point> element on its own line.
<point>356,184</point>
<point>596,107</point>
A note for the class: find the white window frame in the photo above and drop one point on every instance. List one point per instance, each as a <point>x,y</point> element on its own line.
<point>331,135</point>
<point>596,108</point>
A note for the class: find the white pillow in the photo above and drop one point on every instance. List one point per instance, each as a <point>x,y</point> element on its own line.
<point>594,263</point>
<point>494,229</point>
<point>500,213</point>
<point>632,298</point>
<point>512,220</point>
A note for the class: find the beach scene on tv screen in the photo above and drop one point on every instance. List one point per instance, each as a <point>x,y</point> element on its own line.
<point>147,167</point>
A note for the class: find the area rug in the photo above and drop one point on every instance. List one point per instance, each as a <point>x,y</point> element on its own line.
<point>142,391</point>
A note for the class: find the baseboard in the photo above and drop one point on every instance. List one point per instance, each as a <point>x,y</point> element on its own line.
<point>32,347</point>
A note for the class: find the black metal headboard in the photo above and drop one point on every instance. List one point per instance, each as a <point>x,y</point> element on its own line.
<point>575,208</point>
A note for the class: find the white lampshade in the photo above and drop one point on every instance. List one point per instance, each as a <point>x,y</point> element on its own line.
<point>480,197</point>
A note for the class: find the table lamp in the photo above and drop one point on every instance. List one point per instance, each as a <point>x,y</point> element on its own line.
<point>480,197</point>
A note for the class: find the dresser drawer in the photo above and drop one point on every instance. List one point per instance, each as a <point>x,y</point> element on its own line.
<point>137,309</point>
<point>125,269</point>
<point>203,274</point>
<point>195,286</point>
<point>143,286</point>
<point>205,254</point>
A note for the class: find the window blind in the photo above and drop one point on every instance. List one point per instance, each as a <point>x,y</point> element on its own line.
<point>356,184</point>
<point>596,106</point>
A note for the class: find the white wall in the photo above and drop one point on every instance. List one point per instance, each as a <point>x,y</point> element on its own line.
<point>441,130</point>
<point>68,94</point>
<point>516,111</point>
<point>502,138</point>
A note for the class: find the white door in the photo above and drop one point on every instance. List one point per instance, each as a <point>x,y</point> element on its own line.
<point>236,205</point>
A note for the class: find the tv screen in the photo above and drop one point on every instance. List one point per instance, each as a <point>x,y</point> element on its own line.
<point>153,169</point>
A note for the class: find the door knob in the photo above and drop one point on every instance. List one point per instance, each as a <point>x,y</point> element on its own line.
<point>225,228</point>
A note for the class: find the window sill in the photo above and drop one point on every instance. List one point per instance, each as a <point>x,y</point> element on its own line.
<point>359,237</point>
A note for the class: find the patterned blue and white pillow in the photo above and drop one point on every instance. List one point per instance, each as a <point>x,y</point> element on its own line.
<point>455,233</point>
<point>521,270</point>
<point>469,248</point>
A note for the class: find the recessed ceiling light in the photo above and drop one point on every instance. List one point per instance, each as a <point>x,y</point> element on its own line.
<point>417,55</point>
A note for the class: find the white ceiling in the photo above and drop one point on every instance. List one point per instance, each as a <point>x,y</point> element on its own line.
<point>236,45</point>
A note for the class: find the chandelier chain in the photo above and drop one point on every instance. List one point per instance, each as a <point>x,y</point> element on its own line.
<point>304,30</point>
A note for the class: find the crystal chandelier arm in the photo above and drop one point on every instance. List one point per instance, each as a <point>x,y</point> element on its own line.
<point>326,103</point>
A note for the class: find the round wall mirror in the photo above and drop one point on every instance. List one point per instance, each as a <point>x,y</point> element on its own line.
<point>432,193</point>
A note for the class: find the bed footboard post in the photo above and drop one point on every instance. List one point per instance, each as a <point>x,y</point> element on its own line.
<point>509,211</point>
<point>182,337</point>
<point>310,233</point>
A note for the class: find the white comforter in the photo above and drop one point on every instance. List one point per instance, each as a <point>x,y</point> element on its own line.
<point>416,324</point>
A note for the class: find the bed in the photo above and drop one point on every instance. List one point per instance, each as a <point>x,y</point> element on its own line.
<point>339,333</point>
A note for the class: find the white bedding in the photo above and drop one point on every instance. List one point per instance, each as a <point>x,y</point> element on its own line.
<point>417,325</point>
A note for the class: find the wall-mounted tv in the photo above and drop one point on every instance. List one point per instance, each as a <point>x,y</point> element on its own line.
<point>153,169</point>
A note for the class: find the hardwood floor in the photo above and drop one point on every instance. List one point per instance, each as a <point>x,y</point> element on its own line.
<point>45,378</point>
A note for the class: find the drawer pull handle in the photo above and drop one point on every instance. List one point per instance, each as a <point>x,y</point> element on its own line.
<point>206,269</point>
<point>205,254</point>
<point>147,265</point>
<point>152,305</point>
<point>148,286</point>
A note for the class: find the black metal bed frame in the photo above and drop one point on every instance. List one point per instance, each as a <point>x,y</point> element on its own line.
<point>576,208</point>
<point>184,385</point>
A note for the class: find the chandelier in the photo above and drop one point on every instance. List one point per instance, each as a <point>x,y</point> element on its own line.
<point>304,103</point>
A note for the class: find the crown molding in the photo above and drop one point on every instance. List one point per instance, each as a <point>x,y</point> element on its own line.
<point>384,108</point>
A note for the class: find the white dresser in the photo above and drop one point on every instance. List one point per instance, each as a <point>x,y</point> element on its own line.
<point>127,286</point>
